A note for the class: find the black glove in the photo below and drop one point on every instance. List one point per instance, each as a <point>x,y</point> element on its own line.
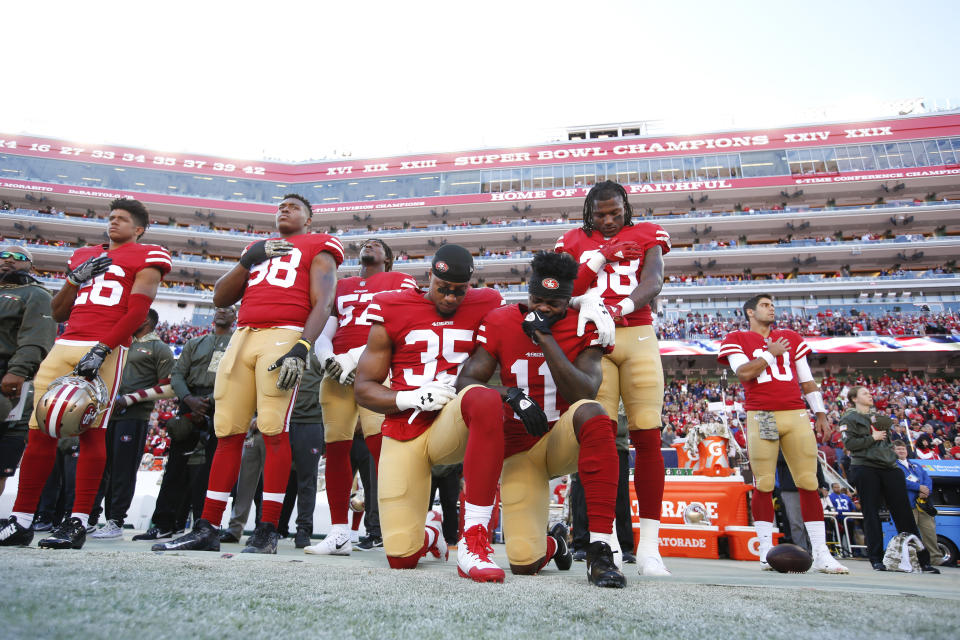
<point>89,270</point>
<point>264,250</point>
<point>291,365</point>
<point>533,417</point>
<point>90,363</point>
<point>536,321</point>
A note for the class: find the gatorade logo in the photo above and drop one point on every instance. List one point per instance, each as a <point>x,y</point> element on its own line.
<point>753,545</point>
<point>684,543</point>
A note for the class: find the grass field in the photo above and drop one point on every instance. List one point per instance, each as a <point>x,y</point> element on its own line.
<point>117,589</point>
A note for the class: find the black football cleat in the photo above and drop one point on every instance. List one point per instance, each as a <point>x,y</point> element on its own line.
<point>153,533</point>
<point>929,568</point>
<point>563,558</point>
<point>264,539</point>
<point>878,566</point>
<point>601,569</point>
<point>203,538</point>
<point>14,535</point>
<point>70,534</point>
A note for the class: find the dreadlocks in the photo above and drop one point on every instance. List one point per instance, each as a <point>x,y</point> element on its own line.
<point>606,190</point>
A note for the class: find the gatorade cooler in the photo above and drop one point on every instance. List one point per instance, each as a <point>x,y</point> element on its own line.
<point>684,461</point>
<point>687,540</point>
<point>744,543</point>
<point>725,499</point>
<point>713,457</point>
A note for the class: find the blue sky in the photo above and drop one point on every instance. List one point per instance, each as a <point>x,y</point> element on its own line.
<point>300,80</point>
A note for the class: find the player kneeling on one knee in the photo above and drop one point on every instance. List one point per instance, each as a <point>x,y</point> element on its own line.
<point>421,340</point>
<point>549,419</point>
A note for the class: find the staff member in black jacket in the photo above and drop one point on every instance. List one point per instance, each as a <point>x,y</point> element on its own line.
<point>866,435</point>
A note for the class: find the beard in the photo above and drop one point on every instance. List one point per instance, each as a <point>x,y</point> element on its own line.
<point>368,260</point>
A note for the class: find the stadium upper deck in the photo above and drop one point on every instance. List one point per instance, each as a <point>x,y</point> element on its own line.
<point>822,161</point>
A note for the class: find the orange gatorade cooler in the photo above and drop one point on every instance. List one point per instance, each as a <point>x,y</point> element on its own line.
<point>684,461</point>
<point>724,498</point>
<point>713,457</point>
<point>687,540</point>
<point>744,543</point>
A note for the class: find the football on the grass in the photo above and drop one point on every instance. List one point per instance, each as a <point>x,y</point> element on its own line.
<point>789,558</point>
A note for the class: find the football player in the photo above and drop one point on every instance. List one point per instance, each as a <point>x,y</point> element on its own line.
<point>772,365</point>
<point>552,424</point>
<point>622,260</point>
<point>108,290</point>
<point>421,340</point>
<point>339,348</point>
<point>285,286</point>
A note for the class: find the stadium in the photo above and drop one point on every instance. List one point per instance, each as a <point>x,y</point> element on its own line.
<point>851,226</point>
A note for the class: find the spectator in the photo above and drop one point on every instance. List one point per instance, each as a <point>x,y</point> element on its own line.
<point>919,490</point>
<point>877,476</point>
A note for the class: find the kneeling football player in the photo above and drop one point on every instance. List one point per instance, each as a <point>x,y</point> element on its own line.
<point>421,340</point>
<point>552,425</point>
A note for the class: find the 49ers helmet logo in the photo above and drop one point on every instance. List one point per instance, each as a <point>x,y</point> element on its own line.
<point>441,266</point>
<point>550,283</point>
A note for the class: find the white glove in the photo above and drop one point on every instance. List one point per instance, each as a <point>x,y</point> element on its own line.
<point>430,397</point>
<point>348,367</point>
<point>592,309</point>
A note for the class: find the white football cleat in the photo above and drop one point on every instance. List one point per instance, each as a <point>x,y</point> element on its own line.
<point>439,550</point>
<point>824,562</point>
<point>473,556</point>
<point>651,566</point>
<point>337,543</point>
<point>110,531</point>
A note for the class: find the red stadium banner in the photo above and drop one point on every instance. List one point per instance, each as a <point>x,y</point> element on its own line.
<point>796,137</point>
<point>637,190</point>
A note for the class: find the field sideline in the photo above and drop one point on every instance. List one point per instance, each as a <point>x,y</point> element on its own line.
<point>117,588</point>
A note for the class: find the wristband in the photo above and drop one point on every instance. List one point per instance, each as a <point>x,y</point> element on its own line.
<point>304,343</point>
<point>769,357</point>
<point>626,307</point>
<point>815,400</point>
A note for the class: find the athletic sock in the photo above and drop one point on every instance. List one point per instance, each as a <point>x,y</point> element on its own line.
<point>474,514</point>
<point>374,443</point>
<point>551,551</point>
<point>648,538</point>
<point>596,536</point>
<point>38,459</point>
<point>355,521</point>
<point>810,506</point>
<point>764,531</point>
<point>598,467</point>
<point>276,474</point>
<point>483,460</point>
<point>224,471</point>
<point>339,477</point>
<point>648,473</point>
<point>91,459</point>
<point>817,533</point>
<point>762,506</point>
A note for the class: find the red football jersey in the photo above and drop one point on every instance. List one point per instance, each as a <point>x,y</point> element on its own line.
<point>777,388</point>
<point>353,298</point>
<point>102,301</point>
<point>616,281</point>
<point>426,345</point>
<point>278,289</point>
<point>523,365</point>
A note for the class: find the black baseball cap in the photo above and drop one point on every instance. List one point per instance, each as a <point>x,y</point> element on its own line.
<point>452,263</point>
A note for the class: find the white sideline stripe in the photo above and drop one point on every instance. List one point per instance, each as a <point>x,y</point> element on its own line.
<point>273,497</point>
<point>220,496</point>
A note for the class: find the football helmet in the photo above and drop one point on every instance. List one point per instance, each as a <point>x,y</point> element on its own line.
<point>72,405</point>
<point>696,513</point>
